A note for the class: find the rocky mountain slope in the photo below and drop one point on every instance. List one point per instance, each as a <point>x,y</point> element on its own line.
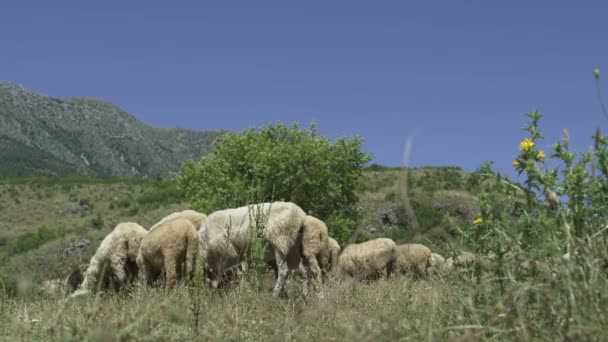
<point>41,135</point>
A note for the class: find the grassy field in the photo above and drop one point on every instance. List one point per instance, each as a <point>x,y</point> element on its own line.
<point>512,302</point>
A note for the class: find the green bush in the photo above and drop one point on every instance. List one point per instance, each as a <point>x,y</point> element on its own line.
<point>161,193</point>
<point>32,240</point>
<point>97,222</point>
<point>279,162</point>
<point>536,226</point>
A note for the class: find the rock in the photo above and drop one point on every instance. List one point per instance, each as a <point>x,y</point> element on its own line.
<point>386,216</point>
<point>77,208</point>
<point>76,248</point>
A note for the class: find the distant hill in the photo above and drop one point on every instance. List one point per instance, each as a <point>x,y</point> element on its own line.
<point>41,135</point>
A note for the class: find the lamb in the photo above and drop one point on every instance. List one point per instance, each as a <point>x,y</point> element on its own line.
<point>226,234</point>
<point>172,247</point>
<point>414,259</point>
<point>116,256</point>
<point>194,216</point>
<point>367,260</point>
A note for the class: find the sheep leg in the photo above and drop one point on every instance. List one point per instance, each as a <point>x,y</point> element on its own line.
<point>313,265</point>
<point>283,270</point>
<point>170,271</point>
<point>306,279</point>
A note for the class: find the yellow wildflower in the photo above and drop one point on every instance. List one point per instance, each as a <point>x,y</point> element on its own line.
<point>478,220</point>
<point>526,144</point>
<point>540,155</point>
<point>515,164</point>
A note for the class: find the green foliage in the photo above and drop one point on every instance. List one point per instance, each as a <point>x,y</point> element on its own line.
<point>536,226</point>
<point>281,163</point>
<point>97,222</point>
<point>256,249</point>
<point>165,192</point>
<point>444,178</point>
<point>33,240</point>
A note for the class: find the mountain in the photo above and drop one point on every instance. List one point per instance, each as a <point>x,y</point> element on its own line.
<point>41,135</point>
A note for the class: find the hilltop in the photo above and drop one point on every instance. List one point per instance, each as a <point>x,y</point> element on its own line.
<point>42,135</point>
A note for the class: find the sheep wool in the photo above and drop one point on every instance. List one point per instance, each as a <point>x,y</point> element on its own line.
<point>198,219</point>
<point>116,256</point>
<point>413,259</point>
<point>172,248</point>
<point>367,260</point>
<point>227,233</point>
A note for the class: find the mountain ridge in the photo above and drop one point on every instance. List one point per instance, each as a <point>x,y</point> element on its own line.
<point>55,137</point>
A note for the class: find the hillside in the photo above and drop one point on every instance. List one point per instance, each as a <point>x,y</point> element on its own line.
<point>40,218</point>
<point>48,226</point>
<point>41,135</point>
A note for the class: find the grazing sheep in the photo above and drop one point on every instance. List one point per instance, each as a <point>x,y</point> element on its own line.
<point>171,247</point>
<point>116,256</point>
<point>315,253</point>
<point>439,263</point>
<point>197,219</point>
<point>414,259</point>
<point>314,243</point>
<point>329,257</point>
<point>227,233</point>
<point>468,259</point>
<point>367,260</point>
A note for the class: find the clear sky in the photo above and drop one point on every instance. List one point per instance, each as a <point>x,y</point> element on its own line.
<point>459,75</point>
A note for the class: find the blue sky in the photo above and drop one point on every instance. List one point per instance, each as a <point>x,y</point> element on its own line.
<point>459,75</point>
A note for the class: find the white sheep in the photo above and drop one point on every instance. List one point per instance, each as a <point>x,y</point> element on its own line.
<point>173,248</point>
<point>226,235</point>
<point>329,257</point>
<point>367,260</point>
<point>316,254</point>
<point>413,258</point>
<point>198,219</point>
<point>116,256</point>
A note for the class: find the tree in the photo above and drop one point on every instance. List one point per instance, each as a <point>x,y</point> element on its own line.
<point>280,162</point>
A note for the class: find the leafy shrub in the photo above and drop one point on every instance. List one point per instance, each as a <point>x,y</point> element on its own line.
<point>161,193</point>
<point>32,240</point>
<point>457,204</point>
<point>279,163</point>
<point>538,227</point>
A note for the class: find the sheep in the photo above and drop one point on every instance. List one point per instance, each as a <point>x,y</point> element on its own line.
<point>329,257</point>
<point>172,247</point>
<point>194,216</point>
<point>314,247</point>
<point>226,234</point>
<point>439,263</point>
<point>413,258</point>
<point>367,260</point>
<point>116,256</point>
<point>468,259</point>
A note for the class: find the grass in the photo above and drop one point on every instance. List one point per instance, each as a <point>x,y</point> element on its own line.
<point>566,303</point>
<point>384,310</point>
<point>451,306</point>
<point>35,227</point>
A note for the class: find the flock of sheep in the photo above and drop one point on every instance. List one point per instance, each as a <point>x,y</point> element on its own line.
<point>169,251</point>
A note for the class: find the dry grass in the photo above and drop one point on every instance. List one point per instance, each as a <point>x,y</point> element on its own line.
<point>383,310</point>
